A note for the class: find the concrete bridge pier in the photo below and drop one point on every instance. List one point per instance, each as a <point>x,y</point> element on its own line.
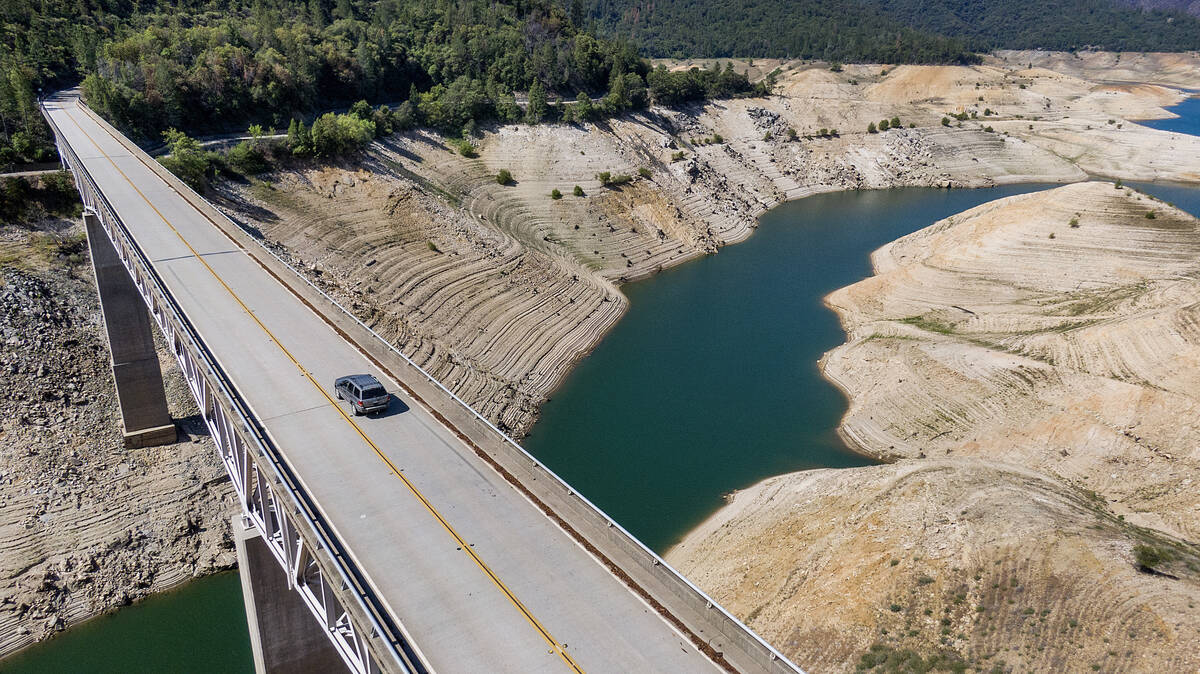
<point>136,372</point>
<point>284,636</point>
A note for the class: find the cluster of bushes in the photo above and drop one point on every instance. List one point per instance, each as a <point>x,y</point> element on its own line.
<point>670,88</point>
<point>961,116</point>
<point>21,200</point>
<point>884,125</point>
<point>330,135</point>
<point>609,179</point>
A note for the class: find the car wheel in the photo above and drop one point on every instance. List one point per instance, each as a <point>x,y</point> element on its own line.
<point>357,412</point>
<point>339,395</point>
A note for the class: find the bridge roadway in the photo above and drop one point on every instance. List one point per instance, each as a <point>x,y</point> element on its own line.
<point>480,578</point>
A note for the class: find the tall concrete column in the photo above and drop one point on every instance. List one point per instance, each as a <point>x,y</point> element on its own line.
<point>135,367</point>
<point>284,635</point>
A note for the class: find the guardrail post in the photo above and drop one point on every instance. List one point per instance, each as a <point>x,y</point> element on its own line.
<point>136,373</point>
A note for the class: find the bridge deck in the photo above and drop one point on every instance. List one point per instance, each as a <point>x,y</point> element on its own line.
<point>546,605</point>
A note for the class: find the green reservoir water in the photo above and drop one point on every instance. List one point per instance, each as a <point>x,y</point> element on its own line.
<point>707,385</point>
<point>201,627</point>
<point>710,382</point>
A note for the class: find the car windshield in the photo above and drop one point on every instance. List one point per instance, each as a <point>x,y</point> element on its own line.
<point>373,392</point>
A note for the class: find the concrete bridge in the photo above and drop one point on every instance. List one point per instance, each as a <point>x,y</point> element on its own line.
<point>421,540</point>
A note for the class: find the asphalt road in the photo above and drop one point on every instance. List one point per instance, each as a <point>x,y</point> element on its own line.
<point>481,578</point>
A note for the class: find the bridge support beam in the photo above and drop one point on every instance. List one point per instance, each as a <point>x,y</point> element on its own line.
<point>136,372</point>
<point>283,634</point>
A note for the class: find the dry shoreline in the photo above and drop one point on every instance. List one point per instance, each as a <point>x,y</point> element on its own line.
<point>1000,449</point>
<point>499,291</point>
<point>86,525</point>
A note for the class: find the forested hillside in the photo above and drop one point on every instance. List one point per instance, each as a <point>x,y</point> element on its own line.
<point>1049,24</point>
<point>834,30</point>
<point>1190,6</point>
<point>891,31</point>
<point>222,64</point>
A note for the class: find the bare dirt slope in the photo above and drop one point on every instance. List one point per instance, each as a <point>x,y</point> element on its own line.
<point>1174,69</point>
<point>1077,355</point>
<point>86,525</point>
<point>954,561</point>
<point>499,289</point>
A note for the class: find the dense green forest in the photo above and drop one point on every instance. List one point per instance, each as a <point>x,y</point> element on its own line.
<point>1050,24</point>
<point>887,31</point>
<point>833,30</point>
<point>220,65</point>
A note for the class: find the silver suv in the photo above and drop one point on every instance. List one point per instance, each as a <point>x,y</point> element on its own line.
<point>364,393</point>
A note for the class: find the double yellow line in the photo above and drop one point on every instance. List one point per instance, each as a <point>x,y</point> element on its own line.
<point>555,646</point>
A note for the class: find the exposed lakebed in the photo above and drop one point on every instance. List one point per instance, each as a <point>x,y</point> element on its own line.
<point>710,382</point>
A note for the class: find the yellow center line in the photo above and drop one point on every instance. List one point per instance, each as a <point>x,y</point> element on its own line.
<point>462,543</point>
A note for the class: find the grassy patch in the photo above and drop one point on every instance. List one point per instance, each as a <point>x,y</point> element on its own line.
<point>884,658</point>
<point>1152,556</point>
<point>929,324</point>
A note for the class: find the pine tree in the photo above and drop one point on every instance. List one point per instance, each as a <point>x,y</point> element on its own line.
<point>537,109</point>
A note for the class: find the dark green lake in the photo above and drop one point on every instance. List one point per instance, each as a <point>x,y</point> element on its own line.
<point>710,382</point>
<point>201,627</point>
<point>707,385</point>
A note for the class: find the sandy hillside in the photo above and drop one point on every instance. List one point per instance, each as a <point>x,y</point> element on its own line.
<point>953,561</point>
<point>1028,364</point>
<point>498,290</point>
<point>1167,68</point>
<point>1077,355</point>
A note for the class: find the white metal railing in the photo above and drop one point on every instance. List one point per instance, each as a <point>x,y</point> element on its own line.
<point>315,561</point>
